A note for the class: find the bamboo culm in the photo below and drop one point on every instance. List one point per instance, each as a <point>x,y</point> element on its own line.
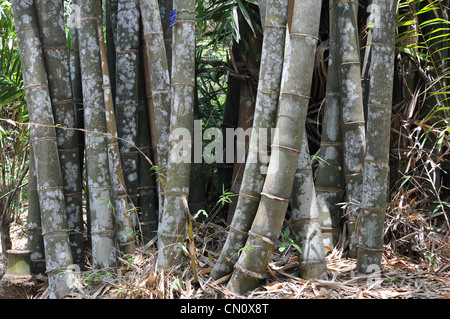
<point>127,96</point>
<point>376,162</point>
<point>353,125</point>
<point>64,112</point>
<point>172,225</point>
<point>330,184</point>
<point>158,90</point>
<point>251,266</point>
<point>123,224</point>
<point>305,219</point>
<point>264,119</point>
<point>50,186</point>
<point>97,167</point>
<point>35,241</point>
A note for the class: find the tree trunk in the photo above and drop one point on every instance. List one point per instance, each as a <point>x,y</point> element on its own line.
<point>165,7</point>
<point>263,121</point>
<point>266,228</point>
<point>173,218</point>
<point>56,57</point>
<point>306,218</point>
<point>330,183</point>
<point>158,90</point>
<point>247,101</point>
<point>43,140</point>
<point>376,162</point>
<point>148,197</point>
<point>98,173</point>
<point>123,225</point>
<point>5,234</point>
<point>77,90</point>
<point>127,99</point>
<point>35,241</point>
<point>111,8</point>
<point>352,110</point>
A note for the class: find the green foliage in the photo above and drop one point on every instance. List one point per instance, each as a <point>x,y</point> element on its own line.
<point>424,32</point>
<point>287,240</point>
<point>221,19</point>
<point>14,136</point>
<point>225,197</point>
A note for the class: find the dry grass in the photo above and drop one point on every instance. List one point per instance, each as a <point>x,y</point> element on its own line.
<point>139,278</point>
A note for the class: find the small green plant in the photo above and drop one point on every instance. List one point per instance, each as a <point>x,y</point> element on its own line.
<point>288,241</point>
<point>246,248</point>
<point>177,282</point>
<point>201,212</point>
<point>319,159</point>
<point>225,197</point>
<point>431,257</point>
<point>129,260</point>
<point>95,277</point>
<point>158,171</point>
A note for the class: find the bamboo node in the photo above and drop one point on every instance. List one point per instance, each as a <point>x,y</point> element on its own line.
<point>276,198</point>
<point>249,272</point>
<point>370,249</point>
<point>286,148</point>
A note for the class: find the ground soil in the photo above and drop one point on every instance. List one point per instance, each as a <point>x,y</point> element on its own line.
<point>400,278</point>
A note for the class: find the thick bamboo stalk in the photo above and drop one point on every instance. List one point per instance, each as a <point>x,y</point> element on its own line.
<point>266,228</point>
<point>263,121</point>
<point>111,8</point>
<point>127,99</point>
<point>247,101</point>
<point>376,162</point>
<point>306,218</point>
<point>197,191</point>
<point>35,241</point>
<point>173,218</point>
<point>98,173</point>
<point>245,121</point>
<point>330,185</point>
<point>165,7</point>
<point>124,229</point>
<point>148,197</point>
<point>352,110</point>
<point>158,93</point>
<point>56,57</point>
<point>77,90</point>
<point>43,140</point>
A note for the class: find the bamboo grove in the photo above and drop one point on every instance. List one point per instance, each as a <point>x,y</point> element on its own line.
<point>128,149</point>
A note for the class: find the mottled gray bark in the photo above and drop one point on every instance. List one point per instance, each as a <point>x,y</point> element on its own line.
<point>52,27</point>
<point>127,99</point>
<point>165,7</point>
<point>330,185</point>
<point>266,228</point>
<point>124,231</point>
<point>111,7</point>
<point>172,224</point>
<point>158,90</point>
<point>376,162</point>
<point>35,241</point>
<point>352,110</point>
<point>264,120</point>
<point>148,197</point>
<point>306,218</point>
<point>50,184</point>
<point>98,173</point>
